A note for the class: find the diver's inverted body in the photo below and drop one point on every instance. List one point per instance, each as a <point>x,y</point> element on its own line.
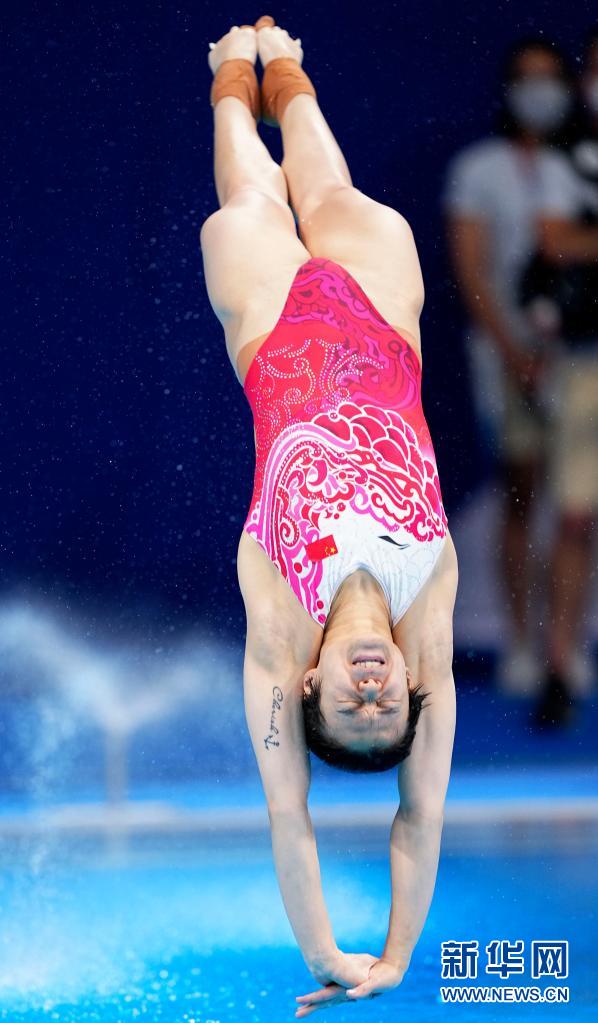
<point>346,565</point>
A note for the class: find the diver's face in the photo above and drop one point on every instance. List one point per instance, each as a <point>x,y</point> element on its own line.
<point>364,694</point>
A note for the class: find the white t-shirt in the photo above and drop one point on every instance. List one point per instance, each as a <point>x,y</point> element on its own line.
<point>497,180</point>
<point>566,193</point>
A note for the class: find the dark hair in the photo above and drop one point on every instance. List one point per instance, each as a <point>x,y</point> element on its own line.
<point>505,122</point>
<point>335,754</point>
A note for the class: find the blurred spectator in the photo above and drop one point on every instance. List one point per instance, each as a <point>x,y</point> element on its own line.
<point>491,200</point>
<point>562,282</point>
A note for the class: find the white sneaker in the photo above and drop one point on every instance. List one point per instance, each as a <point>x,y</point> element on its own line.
<point>519,671</point>
<point>581,672</point>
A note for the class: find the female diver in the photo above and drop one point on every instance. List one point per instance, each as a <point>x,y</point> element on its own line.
<point>345,562</point>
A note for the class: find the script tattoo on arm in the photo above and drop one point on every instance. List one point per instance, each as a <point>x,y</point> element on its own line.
<point>277,698</point>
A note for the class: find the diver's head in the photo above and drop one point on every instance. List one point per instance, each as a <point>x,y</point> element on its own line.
<point>360,704</point>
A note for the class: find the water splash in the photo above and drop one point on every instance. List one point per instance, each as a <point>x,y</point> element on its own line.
<point>76,682</point>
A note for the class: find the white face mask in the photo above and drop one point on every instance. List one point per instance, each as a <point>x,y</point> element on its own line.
<point>539,104</point>
<point>590,93</point>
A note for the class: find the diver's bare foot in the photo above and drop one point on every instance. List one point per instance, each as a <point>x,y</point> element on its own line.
<point>238,42</point>
<point>273,41</point>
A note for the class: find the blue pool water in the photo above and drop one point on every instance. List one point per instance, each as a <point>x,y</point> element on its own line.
<point>192,929</point>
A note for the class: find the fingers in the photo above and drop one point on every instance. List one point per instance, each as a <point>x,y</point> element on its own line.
<point>361,991</point>
<point>321,999</point>
<point>306,1010</point>
<point>323,994</point>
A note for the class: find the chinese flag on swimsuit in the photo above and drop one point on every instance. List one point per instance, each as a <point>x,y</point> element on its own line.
<point>321,548</point>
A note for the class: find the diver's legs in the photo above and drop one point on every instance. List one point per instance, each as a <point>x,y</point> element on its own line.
<point>313,161</point>
<point>337,221</point>
<point>249,246</point>
<point>241,159</point>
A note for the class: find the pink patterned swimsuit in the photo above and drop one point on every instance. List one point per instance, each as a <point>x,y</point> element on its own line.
<point>345,473</point>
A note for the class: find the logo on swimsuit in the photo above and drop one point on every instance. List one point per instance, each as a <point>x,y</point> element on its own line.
<point>390,540</point>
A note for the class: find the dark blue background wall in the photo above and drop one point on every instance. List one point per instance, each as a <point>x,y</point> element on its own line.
<point>127,444</point>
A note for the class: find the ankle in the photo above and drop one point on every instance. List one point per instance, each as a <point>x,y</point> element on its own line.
<point>283,79</point>
<point>236,77</point>
<point>281,57</point>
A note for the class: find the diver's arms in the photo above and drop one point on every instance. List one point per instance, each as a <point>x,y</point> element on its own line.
<point>424,775</point>
<point>278,652</point>
<point>417,827</point>
<point>274,717</point>
<point>282,645</point>
<point>414,855</point>
<point>275,720</point>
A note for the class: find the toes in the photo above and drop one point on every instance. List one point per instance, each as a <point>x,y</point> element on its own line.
<point>266,21</point>
<point>243,29</point>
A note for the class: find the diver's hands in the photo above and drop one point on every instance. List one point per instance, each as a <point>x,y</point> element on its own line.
<point>346,968</point>
<point>351,977</point>
<point>383,976</point>
<point>337,972</point>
